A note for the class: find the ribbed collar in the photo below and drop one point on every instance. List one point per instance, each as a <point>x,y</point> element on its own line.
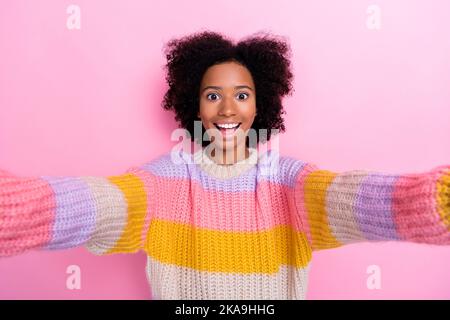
<point>224,171</point>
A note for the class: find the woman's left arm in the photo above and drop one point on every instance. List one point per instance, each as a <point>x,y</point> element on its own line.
<point>356,206</point>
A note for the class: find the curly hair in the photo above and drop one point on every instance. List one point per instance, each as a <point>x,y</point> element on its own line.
<point>267,57</point>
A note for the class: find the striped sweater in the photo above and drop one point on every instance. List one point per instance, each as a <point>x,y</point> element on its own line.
<point>241,231</point>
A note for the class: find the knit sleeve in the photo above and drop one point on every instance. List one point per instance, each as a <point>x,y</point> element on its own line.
<point>355,206</point>
<point>105,214</point>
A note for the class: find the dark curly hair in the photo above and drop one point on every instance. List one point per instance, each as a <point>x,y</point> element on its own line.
<point>266,57</point>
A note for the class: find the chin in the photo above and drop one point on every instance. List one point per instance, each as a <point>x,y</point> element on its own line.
<point>230,143</point>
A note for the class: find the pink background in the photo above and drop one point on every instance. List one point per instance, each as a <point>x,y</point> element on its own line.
<point>87,102</point>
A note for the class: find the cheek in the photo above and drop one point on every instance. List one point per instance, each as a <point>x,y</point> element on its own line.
<point>205,114</point>
<point>250,113</point>
<point>251,110</point>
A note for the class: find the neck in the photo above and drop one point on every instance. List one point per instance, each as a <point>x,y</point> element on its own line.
<point>229,156</point>
<point>224,171</point>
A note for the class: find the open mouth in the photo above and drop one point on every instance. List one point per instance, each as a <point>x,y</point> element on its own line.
<point>227,129</point>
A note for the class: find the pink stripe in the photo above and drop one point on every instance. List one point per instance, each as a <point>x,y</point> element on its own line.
<point>28,209</point>
<point>415,210</point>
<point>227,211</point>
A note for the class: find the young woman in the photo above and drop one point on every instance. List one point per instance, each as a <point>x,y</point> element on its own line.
<point>226,221</point>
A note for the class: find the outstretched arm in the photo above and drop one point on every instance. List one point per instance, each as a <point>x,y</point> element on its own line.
<point>106,214</point>
<point>355,206</point>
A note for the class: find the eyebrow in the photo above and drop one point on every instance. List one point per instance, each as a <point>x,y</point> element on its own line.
<point>219,88</point>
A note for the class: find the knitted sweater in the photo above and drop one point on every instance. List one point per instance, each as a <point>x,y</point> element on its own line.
<point>242,231</point>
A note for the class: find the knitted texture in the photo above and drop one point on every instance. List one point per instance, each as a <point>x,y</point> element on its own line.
<point>242,231</point>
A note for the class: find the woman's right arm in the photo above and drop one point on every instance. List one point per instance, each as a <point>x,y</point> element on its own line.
<point>106,214</point>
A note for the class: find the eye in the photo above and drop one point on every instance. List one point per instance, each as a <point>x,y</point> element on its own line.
<point>211,94</point>
<point>243,93</point>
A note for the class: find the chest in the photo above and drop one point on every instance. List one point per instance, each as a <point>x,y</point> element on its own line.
<point>219,230</point>
<point>262,206</point>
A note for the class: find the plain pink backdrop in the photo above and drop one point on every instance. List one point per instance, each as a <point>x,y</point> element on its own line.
<point>88,102</point>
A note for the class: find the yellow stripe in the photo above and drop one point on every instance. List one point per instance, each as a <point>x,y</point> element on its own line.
<point>226,251</point>
<point>443,198</point>
<point>135,195</point>
<point>316,185</point>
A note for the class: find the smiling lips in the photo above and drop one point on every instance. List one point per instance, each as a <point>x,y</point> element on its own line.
<point>227,129</point>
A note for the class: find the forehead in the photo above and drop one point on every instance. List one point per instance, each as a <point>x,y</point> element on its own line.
<point>227,74</point>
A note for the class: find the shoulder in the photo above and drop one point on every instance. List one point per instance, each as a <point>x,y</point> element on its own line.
<point>278,168</point>
<point>172,163</point>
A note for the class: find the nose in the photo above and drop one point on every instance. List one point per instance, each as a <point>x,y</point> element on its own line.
<point>227,107</point>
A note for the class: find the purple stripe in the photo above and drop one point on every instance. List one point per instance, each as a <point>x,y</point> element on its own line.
<point>271,167</point>
<point>75,212</point>
<point>374,207</point>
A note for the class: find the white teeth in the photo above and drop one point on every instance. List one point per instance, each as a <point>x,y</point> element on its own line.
<point>228,125</point>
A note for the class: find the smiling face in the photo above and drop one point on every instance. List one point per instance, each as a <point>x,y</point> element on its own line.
<point>227,104</point>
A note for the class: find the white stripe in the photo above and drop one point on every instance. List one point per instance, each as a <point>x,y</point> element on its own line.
<point>340,201</point>
<point>111,215</point>
<point>170,282</point>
